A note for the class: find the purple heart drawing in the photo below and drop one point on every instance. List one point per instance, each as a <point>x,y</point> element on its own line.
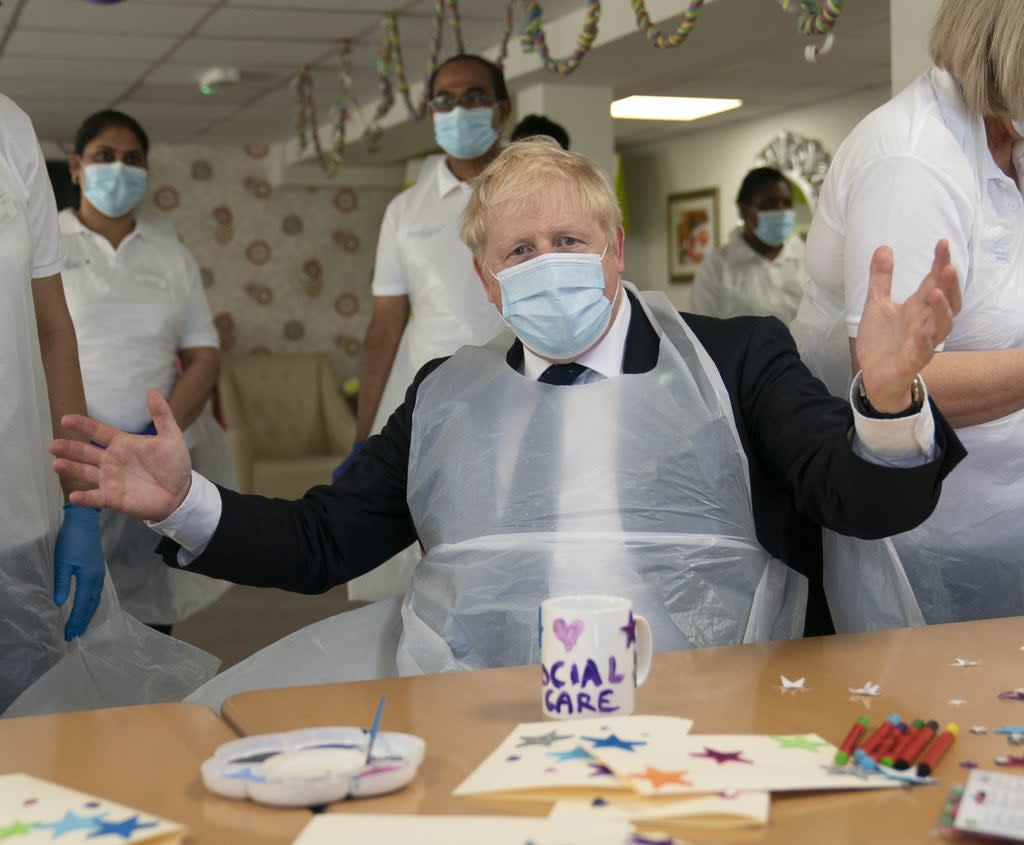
<point>569,632</point>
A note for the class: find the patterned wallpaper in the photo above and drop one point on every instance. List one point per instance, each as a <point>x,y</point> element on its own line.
<point>285,269</point>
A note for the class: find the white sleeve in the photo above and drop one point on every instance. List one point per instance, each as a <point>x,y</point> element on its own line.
<point>193,524</point>
<point>198,329</point>
<point>900,442</point>
<point>705,286</point>
<point>388,271</point>
<point>907,204</point>
<point>23,151</point>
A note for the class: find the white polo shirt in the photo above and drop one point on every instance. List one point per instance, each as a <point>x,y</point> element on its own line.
<point>134,308</point>
<point>734,281</point>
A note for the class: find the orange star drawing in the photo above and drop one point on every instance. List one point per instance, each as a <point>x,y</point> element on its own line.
<point>659,778</point>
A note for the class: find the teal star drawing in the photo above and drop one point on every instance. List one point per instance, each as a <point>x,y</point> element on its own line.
<point>612,741</point>
<point>71,822</point>
<point>578,753</point>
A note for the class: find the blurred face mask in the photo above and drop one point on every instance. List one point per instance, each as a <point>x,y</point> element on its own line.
<point>114,188</point>
<point>465,133</point>
<point>1018,126</point>
<point>555,303</point>
<point>773,227</point>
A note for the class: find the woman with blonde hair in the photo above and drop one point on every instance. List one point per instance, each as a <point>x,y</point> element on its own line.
<point>942,160</point>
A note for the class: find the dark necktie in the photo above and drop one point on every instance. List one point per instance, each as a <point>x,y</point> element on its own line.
<point>562,374</point>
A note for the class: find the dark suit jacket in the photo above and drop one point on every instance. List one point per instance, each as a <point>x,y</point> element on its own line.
<point>803,474</point>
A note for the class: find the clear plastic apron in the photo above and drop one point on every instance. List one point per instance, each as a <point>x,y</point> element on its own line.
<point>118,661</point>
<point>636,486</point>
<point>967,560</point>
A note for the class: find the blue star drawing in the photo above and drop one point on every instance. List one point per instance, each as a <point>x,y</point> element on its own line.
<point>542,739</point>
<point>612,741</point>
<point>245,773</point>
<point>71,822</point>
<point>629,629</point>
<point>125,829</point>
<point>578,753</point>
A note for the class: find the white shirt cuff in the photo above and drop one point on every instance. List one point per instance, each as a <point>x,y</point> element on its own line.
<point>901,442</point>
<point>194,522</point>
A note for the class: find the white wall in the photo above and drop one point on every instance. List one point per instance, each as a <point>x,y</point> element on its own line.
<point>717,158</point>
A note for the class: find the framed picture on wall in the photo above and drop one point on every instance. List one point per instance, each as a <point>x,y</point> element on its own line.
<point>692,231</point>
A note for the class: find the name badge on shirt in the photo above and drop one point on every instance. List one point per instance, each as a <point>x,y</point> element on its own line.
<point>426,231</point>
<point>150,280</point>
<point>997,250</point>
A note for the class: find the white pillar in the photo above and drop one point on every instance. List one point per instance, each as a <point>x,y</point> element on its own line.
<point>582,110</point>
<point>910,23</point>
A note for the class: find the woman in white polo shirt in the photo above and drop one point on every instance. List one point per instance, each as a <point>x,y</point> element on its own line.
<point>942,160</point>
<point>136,298</point>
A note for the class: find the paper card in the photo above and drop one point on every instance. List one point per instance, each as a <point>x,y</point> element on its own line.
<point>726,810</point>
<point>992,804</point>
<point>332,828</point>
<point>34,811</point>
<point>680,765</point>
<point>545,756</point>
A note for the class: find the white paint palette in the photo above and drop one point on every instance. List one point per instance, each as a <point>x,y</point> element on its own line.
<point>312,767</point>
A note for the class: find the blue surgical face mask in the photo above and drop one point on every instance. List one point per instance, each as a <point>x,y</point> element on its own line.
<point>773,227</point>
<point>465,133</point>
<point>114,188</point>
<point>555,303</point>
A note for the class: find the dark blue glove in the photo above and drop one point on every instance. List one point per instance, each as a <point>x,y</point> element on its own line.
<point>79,555</point>
<point>339,471</point>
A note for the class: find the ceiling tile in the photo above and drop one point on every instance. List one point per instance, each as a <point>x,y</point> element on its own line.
<point>290,25</point>
<point>75,16</point>
<point>35,43</point>
<point>189,95</point>
<point>120,73</point>
<point>249,54</point>
<point>358,6</point>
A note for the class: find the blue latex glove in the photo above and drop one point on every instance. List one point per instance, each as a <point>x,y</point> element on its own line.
<point>339,471</point>
<point>79,555</point>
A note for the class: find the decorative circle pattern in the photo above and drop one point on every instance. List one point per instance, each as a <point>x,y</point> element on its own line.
<point>291,224</point>
<point>166,198</point>
<point>261,293</point>
<point>223,215</point>
<point>208,276</point>
<point>313,268</point>
<point>202,171</point>
<point>347,304</point>
<point>256,151</point>
<point>349,345</point>
<point>223,235</point>
<point>346,200</point>
<point>260,188</point>
<point>310,286</point>
<point>348,241</point>
<point>258,253</point>
<point>294,330</point>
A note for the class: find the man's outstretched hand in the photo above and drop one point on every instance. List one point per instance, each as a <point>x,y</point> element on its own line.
<point>142,476</point>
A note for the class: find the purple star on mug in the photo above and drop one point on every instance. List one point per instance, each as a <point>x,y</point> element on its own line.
<point>629,629</point>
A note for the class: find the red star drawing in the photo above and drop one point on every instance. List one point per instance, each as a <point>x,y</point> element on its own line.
<point>723,756</point>
<point>658,778</point>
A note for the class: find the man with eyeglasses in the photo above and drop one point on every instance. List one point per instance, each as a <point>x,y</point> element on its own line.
<point>422,267</point>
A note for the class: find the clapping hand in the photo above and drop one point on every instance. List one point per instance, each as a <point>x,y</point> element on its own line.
<point>142,476</point>
<point>897,340</point>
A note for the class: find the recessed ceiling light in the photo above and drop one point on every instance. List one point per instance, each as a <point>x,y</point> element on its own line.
<point>670,108</point>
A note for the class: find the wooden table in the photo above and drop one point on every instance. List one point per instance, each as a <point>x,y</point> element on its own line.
<point>734,689</point>
<point>148,759</point>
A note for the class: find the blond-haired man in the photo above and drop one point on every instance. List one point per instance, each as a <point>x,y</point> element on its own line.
<point>605,444</point>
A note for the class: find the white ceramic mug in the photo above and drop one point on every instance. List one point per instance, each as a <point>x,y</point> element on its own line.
<point>594,653</point>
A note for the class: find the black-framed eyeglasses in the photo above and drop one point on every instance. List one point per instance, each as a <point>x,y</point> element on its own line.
<point>470,100</point>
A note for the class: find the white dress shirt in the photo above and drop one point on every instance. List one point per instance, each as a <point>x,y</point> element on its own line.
<point>905,442</point>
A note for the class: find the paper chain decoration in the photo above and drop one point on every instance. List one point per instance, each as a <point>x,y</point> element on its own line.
<point>817,17</point>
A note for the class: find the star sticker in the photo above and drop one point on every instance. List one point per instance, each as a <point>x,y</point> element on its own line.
<point>578,753</point>
<point>1013,695</point>
<point>245,773</point>
<point>958,702</point>
<point>629,629</point>
<point>542,739</point>
<point>71,821</point>
<point>598,802</point>
<point>979,730</point>
<point>16,829</point>
<point>612,741</point>
<point>1010,729</point>
<point>600,770</point>
<point>964,663</point>
<point>512,758</point>
<point>723,756</point>
<point>1010,761</point>
<point>658,778</point>
<point>852,772</point>
<point>550,770</point>
<point>800,741</point>
<point>786,685</point>
<point>868,689</point>
<point>126,828</point>
<point>650,839</point>
<point>729,794</point>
